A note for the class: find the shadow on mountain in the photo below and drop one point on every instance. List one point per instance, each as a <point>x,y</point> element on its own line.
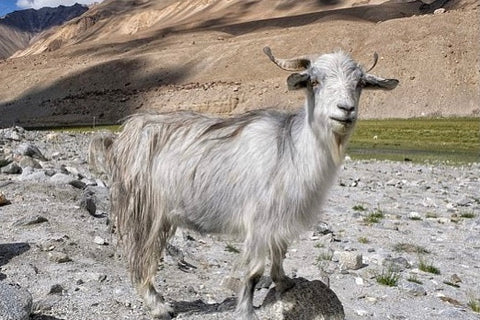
<point>369,13</point>
<point>101,94</point>
<point>10,250</point>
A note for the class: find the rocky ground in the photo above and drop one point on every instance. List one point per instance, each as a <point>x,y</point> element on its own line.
<point>383,221</point>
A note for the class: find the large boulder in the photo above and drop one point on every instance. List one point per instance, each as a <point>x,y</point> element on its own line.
<point>307,300</point>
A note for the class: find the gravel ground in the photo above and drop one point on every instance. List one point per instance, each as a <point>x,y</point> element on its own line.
<point>383,220</point>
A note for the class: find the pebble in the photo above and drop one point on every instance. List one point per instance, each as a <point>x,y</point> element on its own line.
<point>30,220</point>
<point>348,260</point>
<point>99,240</point>
<point>12,168</point>
<point>3,200</point>
<point>59,257</point>
<point>412,288</point>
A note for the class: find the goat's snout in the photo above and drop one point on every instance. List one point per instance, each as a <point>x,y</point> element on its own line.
<point>347,107</point>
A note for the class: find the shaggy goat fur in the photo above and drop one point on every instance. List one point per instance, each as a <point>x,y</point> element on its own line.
<point>262,175</point>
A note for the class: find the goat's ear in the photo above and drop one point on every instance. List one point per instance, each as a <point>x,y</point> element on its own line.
<point>374,82</point>
<point>298,81</point>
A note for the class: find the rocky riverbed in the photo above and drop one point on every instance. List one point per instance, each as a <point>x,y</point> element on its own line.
<point>413,226</point>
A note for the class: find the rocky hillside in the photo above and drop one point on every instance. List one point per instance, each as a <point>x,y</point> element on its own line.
<point>19,27</point>
<point>124,55</point>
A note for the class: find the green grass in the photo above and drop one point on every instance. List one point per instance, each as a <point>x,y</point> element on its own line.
<point>359,207</point>
<point>388,278</point>
<point>363,240</point>
<point>410,248</point>
<point>468,215</point>
<point>374,217</point>
<point>474,304</point>
<point>422,139</point>
<point>414,279</point>
<point>231,248</point>
<point>427,267</point>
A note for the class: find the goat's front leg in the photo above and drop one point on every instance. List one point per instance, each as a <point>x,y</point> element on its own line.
<point>244,309</point>
<point>282,282</point>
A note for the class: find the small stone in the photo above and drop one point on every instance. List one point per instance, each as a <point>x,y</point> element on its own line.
<point>99,240</point>
<point>78,184</point>
<point>12,168</point>
<point>412,288</point>
<point>88,203</point>
<point>59,257</point>
<point>3,200</point>
<point>28,221</point>
<point>455,278</point>
<point>362,312</point>
<point>414,216</point>
<point>359,281</point>
<point>56,289</point>
<point>439,11</point>
<point>396,264</point>
<point>349,260</point>
<point>321,229</point>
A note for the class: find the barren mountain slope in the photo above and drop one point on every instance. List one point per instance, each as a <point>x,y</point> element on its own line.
<point>19,27</point>
<point>120,57</point>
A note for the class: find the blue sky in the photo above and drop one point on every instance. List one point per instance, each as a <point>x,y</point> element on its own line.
<point>7,6</point>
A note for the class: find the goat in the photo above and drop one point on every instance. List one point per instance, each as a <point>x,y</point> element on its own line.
<point>261,175</point>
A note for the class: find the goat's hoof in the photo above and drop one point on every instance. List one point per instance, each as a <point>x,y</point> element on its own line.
<point>162,311</point>
<point>284,285</point>
<point>245,316</point>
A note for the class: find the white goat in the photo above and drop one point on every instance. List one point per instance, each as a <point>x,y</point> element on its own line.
<point>262,175</point>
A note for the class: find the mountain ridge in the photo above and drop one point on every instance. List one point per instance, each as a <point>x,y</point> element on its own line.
<point>19,27</point>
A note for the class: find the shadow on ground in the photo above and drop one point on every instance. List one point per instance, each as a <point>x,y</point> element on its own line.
<point>10,250</point>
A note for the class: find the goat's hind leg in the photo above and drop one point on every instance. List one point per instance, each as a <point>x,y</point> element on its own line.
<point>244,309</point>
<point>277,254</point>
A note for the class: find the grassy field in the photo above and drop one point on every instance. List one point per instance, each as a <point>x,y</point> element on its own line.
<point>454,140</point>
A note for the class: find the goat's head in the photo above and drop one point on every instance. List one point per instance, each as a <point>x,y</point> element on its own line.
<point>333,83</point>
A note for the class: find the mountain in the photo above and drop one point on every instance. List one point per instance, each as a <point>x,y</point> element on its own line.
<point>122,56</point>
<point>19,27</point>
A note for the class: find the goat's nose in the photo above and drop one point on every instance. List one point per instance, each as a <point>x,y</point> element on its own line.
<point>346,107</point>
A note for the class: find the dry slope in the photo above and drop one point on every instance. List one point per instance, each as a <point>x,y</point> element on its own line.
<point>123,56</point>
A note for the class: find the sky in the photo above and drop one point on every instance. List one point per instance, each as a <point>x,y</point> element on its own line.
<point>7,6</point>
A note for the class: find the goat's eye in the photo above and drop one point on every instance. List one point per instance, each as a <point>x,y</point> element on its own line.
<point>315,83</point>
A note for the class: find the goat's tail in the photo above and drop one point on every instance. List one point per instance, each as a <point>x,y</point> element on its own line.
<point>138,212</point>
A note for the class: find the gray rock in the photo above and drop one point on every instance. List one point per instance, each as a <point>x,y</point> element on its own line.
<point>77,184</point>
<point>348,260</point>
<point>30,150</point>
<point>396,264</point>
<point>87,202</point>
<point>412,288</point>
<point>15,302</point>
<point>30,220</point>
<point>12,168</point>
<point>59,257</point>
<point>3,200</point>
<point>60,178</point>
<point>311,300</point>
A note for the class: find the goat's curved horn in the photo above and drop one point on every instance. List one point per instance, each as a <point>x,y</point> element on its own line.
<point>375,60</point>
<point>295,64</point>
